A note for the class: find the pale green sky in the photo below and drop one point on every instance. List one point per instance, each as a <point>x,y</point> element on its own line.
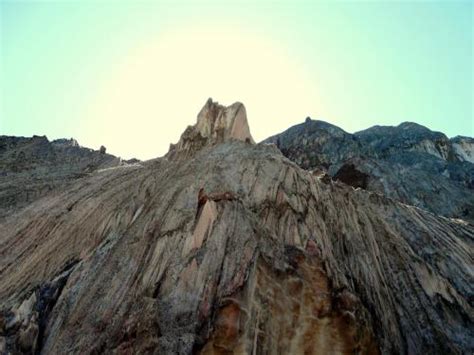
<point>131,75</point>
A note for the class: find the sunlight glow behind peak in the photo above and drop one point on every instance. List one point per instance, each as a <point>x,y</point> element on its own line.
<point>132,75</point>
<point>163,84</point>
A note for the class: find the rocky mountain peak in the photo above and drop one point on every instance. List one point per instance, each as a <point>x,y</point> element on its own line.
<point>464,148</point>
<point>220,123</point>
<point>233,250</point>
<point>64,142</point>
<point>407,125</point>
<point>407,162</point>
<point>215,124</point>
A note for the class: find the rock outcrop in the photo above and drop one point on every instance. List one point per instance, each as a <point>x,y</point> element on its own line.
<point>34,167</point>
<point>463,148</point>
<point>409,162</point>
<point>231,249</point>
<point>222,123</point>
<point>215,124</point>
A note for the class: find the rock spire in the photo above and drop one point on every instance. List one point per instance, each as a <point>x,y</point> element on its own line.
<point>215,124</point>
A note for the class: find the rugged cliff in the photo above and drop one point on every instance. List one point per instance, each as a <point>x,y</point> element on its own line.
<point>224,246</point>
<point>32,167</point>
<point>408,162</point>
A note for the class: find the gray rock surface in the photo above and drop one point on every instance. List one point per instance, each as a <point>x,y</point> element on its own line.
<point>227,247</point>
<point>33,167</point>
<point>408,162</point>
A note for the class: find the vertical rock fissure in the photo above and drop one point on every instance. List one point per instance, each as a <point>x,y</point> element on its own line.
<point>47,297</point>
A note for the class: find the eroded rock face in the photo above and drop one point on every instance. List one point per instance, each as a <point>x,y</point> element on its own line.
<point>215,124</point>
<point>34,167</point>
<point>408,162</point>
<point>293,312</point>
<point>232,250</point>
<point>223,123</point>
<point>464,148</point>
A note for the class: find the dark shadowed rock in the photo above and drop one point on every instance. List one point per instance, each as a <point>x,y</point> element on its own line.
<point>408,162</point>
<point>349,175</point>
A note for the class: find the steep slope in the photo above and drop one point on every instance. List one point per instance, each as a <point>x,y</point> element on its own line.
<point>225,246</point>
<point>463,148</point>
<point>32,167</point>
<point>409,162</point>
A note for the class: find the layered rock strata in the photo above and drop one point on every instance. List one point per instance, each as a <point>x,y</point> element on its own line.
<point>232,249</point>
<point>409,162</point>
<point>31,168</point>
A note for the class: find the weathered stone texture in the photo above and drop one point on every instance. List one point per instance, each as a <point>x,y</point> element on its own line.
<point>232,249</point>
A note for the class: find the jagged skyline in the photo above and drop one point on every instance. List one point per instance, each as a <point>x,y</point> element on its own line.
<point>129,75</point>
<point>226,246</point>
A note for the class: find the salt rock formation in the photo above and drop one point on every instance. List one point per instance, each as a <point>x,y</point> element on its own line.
<point>231,249</point>
<point>408,162</point>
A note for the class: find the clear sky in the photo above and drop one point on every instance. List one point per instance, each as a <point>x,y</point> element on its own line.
<point>131,75</point>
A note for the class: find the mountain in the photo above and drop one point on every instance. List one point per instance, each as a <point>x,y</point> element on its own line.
<point>33,167</point>
<point>223,246</point>
<point>409,162</point>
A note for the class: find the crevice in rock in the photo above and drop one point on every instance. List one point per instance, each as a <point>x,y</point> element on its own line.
<point>47,296</point>
<point>25,326</point>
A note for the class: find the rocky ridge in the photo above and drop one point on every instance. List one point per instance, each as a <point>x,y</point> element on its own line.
<point>30,168</point>
<point>227,247</point>
<point>409,162</point>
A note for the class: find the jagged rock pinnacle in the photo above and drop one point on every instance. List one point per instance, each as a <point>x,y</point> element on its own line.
<point>215,124</point>
<point>221,123</point>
